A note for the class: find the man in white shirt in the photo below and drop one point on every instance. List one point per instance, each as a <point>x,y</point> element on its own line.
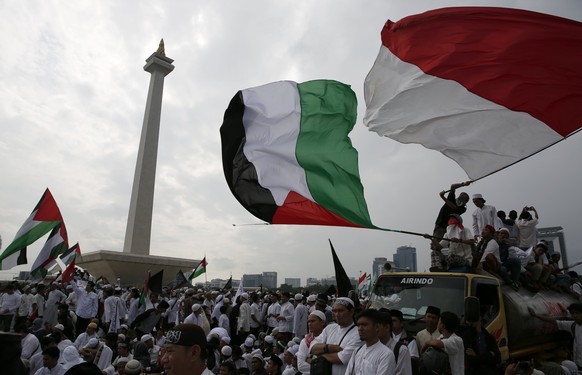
<point>83,338</point>
<point>399,333</point>
<point>273,312</point>
<point>244,317</point>
<point>87,305</point>
<point>315,323</point>
<point>50,359</point>
<point>339,340</point>
<point>573,326</point>
<point>113,310</point>
<point>488,250</point>
<point>285,317</point>
<point>256,317</point>
<point>9,304</point>
<point>401,352</point>
<point>450,342</point>
<point>300,318</point>
<point>28,341</point>
<point>431,319</point>
<point>196,316</point>
<point>483,215</point>
<point>25,308</point>
<point>373,357</point>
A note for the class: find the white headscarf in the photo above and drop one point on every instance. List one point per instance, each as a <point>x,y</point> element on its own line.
<point>71,357</point>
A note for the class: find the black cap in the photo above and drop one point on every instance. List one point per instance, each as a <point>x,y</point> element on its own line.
<point>433,310</point>
<point>397,313</point>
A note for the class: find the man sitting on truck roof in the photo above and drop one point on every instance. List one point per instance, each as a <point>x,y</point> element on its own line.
<point>458,239</point>
<point>488,251</point>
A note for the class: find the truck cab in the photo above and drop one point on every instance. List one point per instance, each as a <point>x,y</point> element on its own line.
<point>504,311</point>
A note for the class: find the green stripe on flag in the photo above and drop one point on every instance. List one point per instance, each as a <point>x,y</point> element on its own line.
<point>39,230</point>
<point>324,150</point>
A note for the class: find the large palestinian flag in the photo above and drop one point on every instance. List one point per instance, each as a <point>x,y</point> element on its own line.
<point>45,216</point>
<point>287,157</point>
<point>487,87</point>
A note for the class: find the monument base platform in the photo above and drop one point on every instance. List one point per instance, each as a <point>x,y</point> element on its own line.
<point>132,269</point>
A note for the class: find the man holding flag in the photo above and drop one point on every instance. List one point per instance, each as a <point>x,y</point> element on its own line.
<point>87,305</point>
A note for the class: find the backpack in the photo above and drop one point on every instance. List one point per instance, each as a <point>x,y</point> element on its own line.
<point>434,361</point>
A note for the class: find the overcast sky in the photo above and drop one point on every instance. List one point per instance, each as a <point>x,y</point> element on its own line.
<point>72,101</point>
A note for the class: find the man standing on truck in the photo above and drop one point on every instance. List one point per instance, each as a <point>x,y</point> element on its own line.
<point>574,326</point>
<point>483,215</point>
<point>452,205</point>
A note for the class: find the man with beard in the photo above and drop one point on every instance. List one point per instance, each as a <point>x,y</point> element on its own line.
<point>338,340</point>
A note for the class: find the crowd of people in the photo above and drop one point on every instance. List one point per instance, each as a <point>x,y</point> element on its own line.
<point>84,328</point>
<point>505,245</point>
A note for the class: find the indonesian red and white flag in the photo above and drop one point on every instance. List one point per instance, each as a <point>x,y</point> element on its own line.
<point>485,86</point>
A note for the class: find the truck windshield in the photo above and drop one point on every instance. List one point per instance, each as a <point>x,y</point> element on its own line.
<point>412,295</point>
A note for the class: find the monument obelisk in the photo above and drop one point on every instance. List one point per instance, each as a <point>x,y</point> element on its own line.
<point>139,221</point>
<point>132,265</point>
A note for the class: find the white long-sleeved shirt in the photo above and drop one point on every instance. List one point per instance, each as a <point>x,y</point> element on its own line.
<point>372,360</point>
<point>87,302</point>
<point>300,320</point>
<point>9,302</point>
<point>483,216</point>
<point>287,311</point>
<point>30,346</point>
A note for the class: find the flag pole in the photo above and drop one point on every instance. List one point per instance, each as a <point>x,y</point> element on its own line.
<point>205,274</point>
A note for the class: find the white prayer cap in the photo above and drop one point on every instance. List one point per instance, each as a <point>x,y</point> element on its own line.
<point>312,298</point>
<point>195,307</point>
<point>249,342</point>
<point>298,297</point>
<point>477,196</point>
<point>293,350</point>
<point>319,314</point>
<point>146,337</point>
<point>60,327</point>
<point>92,343</point>
<point>226,351</point>
<point>344,301</point>
<point>269,339</point>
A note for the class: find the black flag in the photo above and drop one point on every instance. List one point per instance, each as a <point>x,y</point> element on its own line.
<point>180,281</point>
<point>227,286</point>
<point>155,282</point>
<point>344,284</point>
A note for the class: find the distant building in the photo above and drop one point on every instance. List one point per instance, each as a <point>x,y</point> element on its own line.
<point>550,235</point>
<point>265,280</point>
<point>293,282</point>
<point>405,258</point>
<point>311,281</point>
<point>378,267</point>
<point>220,283</point>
